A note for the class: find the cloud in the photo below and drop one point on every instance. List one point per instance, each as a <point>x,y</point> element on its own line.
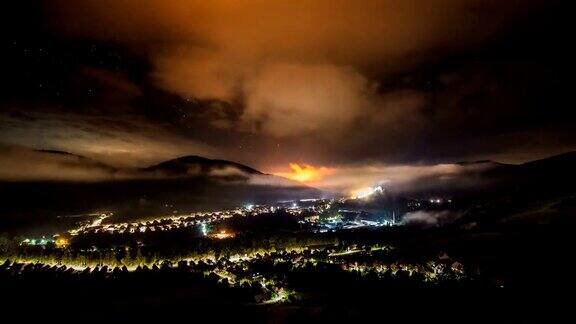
<point>228,171</point>
<point>272,181</point>
<point>122,140</point>
<point>295,99</point>
<point>198,74</point>
<point>430,218</point>
<point>344,30</point>
<point>398,178</point>
<point>118,89</point>
<point>298,67</point>
<point>20,164</point>
<point>319,82</point>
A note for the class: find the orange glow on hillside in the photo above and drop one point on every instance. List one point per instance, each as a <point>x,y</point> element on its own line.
<point>62,242</point>
<point>305,173</point>
<point>222,235</point>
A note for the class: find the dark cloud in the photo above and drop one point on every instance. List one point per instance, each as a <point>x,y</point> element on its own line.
<point>298,73</point>
<point>399,179</point>
<point>21,164</point>
<point>332,83</point>
<point>121,140</point>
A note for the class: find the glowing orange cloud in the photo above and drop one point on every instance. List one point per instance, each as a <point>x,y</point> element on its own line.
<point>305,173</point>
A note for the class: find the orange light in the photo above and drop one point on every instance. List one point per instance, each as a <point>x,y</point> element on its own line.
<point>61,242</point>
<point>305,172</point>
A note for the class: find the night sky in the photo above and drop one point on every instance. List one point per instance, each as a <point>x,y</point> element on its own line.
<point>341,86</point>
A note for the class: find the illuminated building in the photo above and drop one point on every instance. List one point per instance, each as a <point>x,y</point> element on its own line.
<point>222,235</point>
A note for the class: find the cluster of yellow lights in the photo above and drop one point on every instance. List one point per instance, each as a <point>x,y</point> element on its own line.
<point>61,242</point>
<point>366,192</point>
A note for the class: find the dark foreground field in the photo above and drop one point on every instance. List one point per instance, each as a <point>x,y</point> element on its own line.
<point>174,298</point>
<point>521,274</point>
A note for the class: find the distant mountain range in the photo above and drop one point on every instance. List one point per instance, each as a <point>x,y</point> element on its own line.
<point>60,183</point>
<point>186,166</point>
<point>545,176</point>
<point>192,166</point>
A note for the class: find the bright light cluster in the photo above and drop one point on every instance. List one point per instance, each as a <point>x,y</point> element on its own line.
<point>367,192</point>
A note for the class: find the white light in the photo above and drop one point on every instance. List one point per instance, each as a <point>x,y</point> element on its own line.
<point>367,192</point>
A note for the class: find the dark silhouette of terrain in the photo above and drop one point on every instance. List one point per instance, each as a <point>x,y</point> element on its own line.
<point>190,183</point>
